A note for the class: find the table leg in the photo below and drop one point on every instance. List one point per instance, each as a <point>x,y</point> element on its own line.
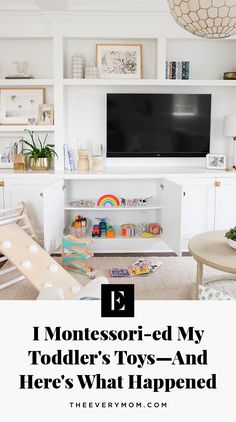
<point>199,277</point>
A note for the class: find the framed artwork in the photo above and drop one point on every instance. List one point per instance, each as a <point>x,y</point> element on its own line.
<point>9,148</point>
<point>216,161</point>
<point>19,105</point>
<point>119,61</point>
<point>45,114</point>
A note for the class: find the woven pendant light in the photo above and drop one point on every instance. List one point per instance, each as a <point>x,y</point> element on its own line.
<point>205,18</point>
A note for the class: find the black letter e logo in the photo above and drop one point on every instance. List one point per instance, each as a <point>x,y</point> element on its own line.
<point>117,300</point>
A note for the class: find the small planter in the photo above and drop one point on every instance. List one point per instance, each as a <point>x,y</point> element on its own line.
<point>232,243</point>
<point>41,164</point>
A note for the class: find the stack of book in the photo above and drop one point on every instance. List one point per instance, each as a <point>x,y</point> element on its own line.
<point>177,70</point>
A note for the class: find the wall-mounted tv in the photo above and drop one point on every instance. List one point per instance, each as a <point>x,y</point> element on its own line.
<point>158,125</point>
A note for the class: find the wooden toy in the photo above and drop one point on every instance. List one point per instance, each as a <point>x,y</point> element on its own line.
<point>79,226</point>
<point>154,229</point>
<point>110,232</point>
<point>17,244</point>
<point>108,201</point>
<point>74,254</point>
<point>128,230</point>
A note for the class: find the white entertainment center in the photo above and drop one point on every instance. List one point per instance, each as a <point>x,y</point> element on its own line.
<point>187,199</point>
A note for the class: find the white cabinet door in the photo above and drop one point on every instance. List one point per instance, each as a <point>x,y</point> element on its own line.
<point>225,216</point>
<point>1,194</point>
<point>172,215</point>
<point>29,190</point>
<point>198,207</point>
<point>53,215</point>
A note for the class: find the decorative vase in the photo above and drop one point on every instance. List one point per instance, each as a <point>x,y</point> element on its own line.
<point>232,243</point>
<point>40,164</point>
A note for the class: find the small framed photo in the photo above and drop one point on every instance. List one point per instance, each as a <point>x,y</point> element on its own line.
<point>119,61</point>
<point>18,105</point>
<point>45,114</point>
<point>216,161</point>
<point>9,148</point>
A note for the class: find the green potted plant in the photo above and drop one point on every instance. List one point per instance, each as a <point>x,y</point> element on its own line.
<point>40,153</point>
<point>231,236</point>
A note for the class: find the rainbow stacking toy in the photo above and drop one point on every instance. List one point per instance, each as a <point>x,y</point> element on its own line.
<point>108,201</point>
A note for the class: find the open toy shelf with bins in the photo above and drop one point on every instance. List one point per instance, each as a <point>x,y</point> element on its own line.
<point>116,216</point>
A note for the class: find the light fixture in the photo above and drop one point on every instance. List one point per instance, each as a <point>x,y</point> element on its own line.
<point>205,18</point>
<point>230,130</point>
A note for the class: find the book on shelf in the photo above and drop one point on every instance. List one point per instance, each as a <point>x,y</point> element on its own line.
<point>69,160</point>
<point>178,70</point>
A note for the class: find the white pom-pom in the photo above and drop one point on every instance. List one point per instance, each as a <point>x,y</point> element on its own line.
<point>26,264</point>
<point>53,268</point>
<point>7,244</point>
<point>75,289</point>
<point>33,248</point>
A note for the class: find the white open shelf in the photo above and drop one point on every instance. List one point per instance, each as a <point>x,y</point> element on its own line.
<point>114,209</point>
<point>21,128</point>
<point>25,82</point>
<point>149,82</point>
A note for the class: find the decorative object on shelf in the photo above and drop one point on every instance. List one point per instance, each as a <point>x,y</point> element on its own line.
<point>97,158</point>
<point>205,18</point>
<point>83,154</point>
<point>40,153</point>
<point>110,233</point>
<point>230,76</point>
<point>9,149</point>
<point>128,230</point>
<point>17,105</point>
<point>154,229</point>
<point>135,202</point>
<point>119,61</point>
<point>108,201</point>
<point>45,114</point>
<point>83,203</point>
<point>79,226</point>
<point>31,121</point>
<point>74,254</point>
<point>77,67</point>
<point>69,160</point>
<point>178,70</point>
<point>216,161</point>
<point>231,236</point>
<point>230,131</point>
<point>20,71</point>
<point>19,162</point>
<point>91,72</point>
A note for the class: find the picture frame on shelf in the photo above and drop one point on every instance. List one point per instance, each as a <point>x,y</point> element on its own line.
<point>119,61</point>
<point>9,148</point>
<point>46,114</point>
<point>18,105</point>
<point>216,161</point>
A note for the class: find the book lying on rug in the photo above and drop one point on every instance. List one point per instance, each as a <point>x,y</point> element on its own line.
<point>144,266</point>
<point>119,272</point>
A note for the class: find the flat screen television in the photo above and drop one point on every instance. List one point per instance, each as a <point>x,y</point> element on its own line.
<point>158,125</point>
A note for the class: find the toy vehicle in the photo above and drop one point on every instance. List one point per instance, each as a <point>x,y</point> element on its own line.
<point>103,224</point>
<point>96,231</point>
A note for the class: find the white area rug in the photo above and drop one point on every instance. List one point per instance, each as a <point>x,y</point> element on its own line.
<point>174,280</point>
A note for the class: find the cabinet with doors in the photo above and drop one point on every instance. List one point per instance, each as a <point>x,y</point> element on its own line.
<point>183,206</point>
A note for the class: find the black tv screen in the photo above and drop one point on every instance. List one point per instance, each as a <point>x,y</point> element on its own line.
<point>158,125</point>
